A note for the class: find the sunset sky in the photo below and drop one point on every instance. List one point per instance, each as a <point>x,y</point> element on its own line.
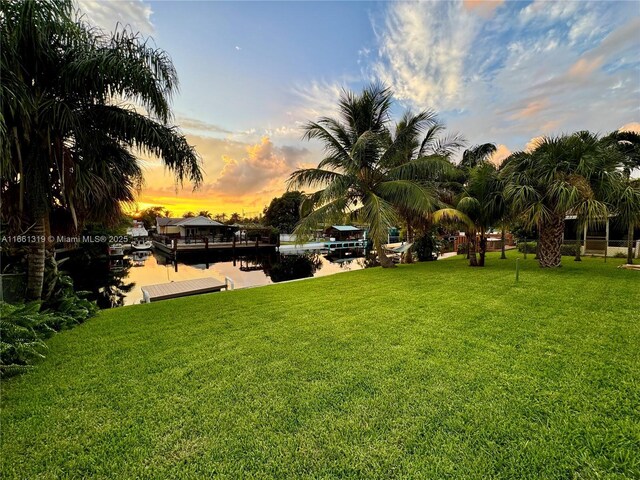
<point>252,72</point>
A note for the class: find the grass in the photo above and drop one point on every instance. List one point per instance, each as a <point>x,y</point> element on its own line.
<point>432,370</point>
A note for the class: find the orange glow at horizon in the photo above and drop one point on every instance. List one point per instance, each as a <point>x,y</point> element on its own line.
<point>238,177</point>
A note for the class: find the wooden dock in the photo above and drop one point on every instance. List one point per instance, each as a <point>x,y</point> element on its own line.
<point>205,247</point>
<point>165,291</point>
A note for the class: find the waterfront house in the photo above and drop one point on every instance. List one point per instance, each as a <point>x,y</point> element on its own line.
<point>192,228</point>
<point>344,232</point>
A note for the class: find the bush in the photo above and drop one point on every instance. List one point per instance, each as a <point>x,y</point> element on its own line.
<point>529,246</point>
<point>462,248</point>
<point>22,329</point>
<point>620,255</point>
<point>426,247</point>
<point>568,250</point>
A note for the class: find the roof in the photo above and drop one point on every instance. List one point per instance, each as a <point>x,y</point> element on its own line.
<point>164,221</point>
<point>198,221</point>
<point>345,228</point>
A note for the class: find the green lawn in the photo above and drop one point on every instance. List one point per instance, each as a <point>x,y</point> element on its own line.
<point>432,370</point>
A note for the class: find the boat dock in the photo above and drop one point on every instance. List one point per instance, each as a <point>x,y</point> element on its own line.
<point>185,288</point>
<point>175,247</point>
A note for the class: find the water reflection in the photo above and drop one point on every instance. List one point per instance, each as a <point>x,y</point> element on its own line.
<point>115,282</point>
<point>106,280</point>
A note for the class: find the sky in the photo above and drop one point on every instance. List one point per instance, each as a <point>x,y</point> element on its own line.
<point>252,73</point>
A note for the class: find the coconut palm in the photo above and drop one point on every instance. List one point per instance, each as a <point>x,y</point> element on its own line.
<point>369,173</point>
<point>570,174</point>
<point>68,122</point>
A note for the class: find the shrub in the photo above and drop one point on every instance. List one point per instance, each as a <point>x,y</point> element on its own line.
<point>529,246</point>
<point>22,329</point>
<point>568,250</point>
<point>426,247</point>
<point>462,248</point>
<point>620,255</point>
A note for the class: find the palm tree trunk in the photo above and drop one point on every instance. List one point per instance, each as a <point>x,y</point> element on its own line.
<point>483,247</point>
<point>630,244</point>
<point>407,257</point>
<point>36,259</point>
<point>550,242</point>
<point>385,262</point>
<point>578,242</point>
<point>503,254</point>
<point>473,260</point>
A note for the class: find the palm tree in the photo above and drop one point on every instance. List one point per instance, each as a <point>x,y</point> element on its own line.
<point>568,174</point>
<point>627,211</point>
<point>480,206</point>
<point>476,155</point>
<point>369,173</point>
<point>68,125</point>
<point>627,200</point>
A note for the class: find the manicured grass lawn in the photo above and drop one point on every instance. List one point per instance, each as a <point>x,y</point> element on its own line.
<point>431,370</point>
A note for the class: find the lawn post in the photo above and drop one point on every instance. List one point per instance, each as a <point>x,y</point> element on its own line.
<point>518,267</point>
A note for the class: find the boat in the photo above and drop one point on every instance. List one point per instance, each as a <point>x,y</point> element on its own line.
<point>139,236</point>
<point>116,250</point>
<point>141,244</point>
<point>139,257</point>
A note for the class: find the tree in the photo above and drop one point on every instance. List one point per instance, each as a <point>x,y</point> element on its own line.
<point>68,125</point>
<point>627,200</point>
<point>364,177</point>
<point>148,215</point>
<point>205,213</point>
<point>567,174</point>
<point>438,179</point>
<point>283,212</point>
<point>189,214</point>
<point>480,206</point>
<point>476,155</point>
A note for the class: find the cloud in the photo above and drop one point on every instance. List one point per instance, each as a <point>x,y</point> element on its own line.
<point>502,152</point>
<point>533,144</point>
<point>199,126</point>
<point>484,8</point>
<point>318,98</point>
<point>262,165</point>
<point>107,14</point>
<point>630,127</point>
<point>422,49</point>
<point>237,175</point>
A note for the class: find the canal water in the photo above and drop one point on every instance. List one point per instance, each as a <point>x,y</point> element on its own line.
<point>117,282</point>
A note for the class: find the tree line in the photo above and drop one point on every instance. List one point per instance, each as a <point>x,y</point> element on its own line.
<point>381,173</point>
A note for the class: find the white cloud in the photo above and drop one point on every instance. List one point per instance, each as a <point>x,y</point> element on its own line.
<point>422,51</point>
<point>317,99</point>
<point>107,14</point>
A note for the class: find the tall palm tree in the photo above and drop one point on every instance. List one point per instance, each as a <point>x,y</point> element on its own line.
<point>69,128</point>
<point>368,173</point>
<point>439,148</point>
<point>567,174</point>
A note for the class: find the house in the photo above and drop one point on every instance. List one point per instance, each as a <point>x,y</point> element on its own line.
<point>344,232</point>
<point>194,228</point>
<point>605,237</point>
